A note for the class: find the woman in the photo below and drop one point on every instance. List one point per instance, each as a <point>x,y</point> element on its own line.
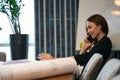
<point>97,27</point>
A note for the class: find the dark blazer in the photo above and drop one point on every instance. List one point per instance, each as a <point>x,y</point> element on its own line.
<point>103,47</point>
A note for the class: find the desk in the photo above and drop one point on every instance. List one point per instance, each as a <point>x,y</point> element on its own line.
<point>61,77</point>
<point>69,76</point>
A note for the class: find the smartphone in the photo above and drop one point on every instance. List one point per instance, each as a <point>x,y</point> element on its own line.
<point>90,38</point>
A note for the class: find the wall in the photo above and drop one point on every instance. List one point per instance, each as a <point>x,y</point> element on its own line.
<point>107,8</point>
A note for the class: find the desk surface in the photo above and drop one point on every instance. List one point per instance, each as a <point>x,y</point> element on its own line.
<point>61,77</point>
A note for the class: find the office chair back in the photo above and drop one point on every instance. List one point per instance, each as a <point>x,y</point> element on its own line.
<point>117,77</point>
<point>2,56</point>
<point>92,68</point>
<point>109,70</point>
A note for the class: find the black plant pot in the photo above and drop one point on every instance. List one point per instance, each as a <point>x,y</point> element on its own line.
<point>19,46</point>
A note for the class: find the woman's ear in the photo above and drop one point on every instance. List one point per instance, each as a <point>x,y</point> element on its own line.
<point>99,26</point>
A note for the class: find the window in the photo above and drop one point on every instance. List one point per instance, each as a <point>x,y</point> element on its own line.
<point>56,26</point>
<point>27,27</point>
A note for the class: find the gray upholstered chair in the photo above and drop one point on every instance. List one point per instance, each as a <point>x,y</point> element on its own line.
<point>109,70</point>
<point>2,56</point>
<point>117,77</point>
<point>92,68</point>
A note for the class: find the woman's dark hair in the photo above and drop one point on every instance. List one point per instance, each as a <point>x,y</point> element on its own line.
<point>99,20</point>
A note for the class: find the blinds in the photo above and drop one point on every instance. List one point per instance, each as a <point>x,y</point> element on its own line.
<point>55,26</point>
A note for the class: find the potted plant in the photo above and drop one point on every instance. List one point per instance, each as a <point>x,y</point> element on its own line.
<point>18,41</point>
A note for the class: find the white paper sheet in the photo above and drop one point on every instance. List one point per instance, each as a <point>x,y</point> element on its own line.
<point>37,69</point>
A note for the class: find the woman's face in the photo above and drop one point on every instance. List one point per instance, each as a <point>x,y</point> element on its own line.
<point>93,29</point>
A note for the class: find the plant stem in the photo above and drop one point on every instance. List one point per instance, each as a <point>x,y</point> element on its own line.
<point>10,23</point>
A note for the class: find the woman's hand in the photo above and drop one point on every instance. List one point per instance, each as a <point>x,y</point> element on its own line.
<point>86,45</point>
<point>45,56</point>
